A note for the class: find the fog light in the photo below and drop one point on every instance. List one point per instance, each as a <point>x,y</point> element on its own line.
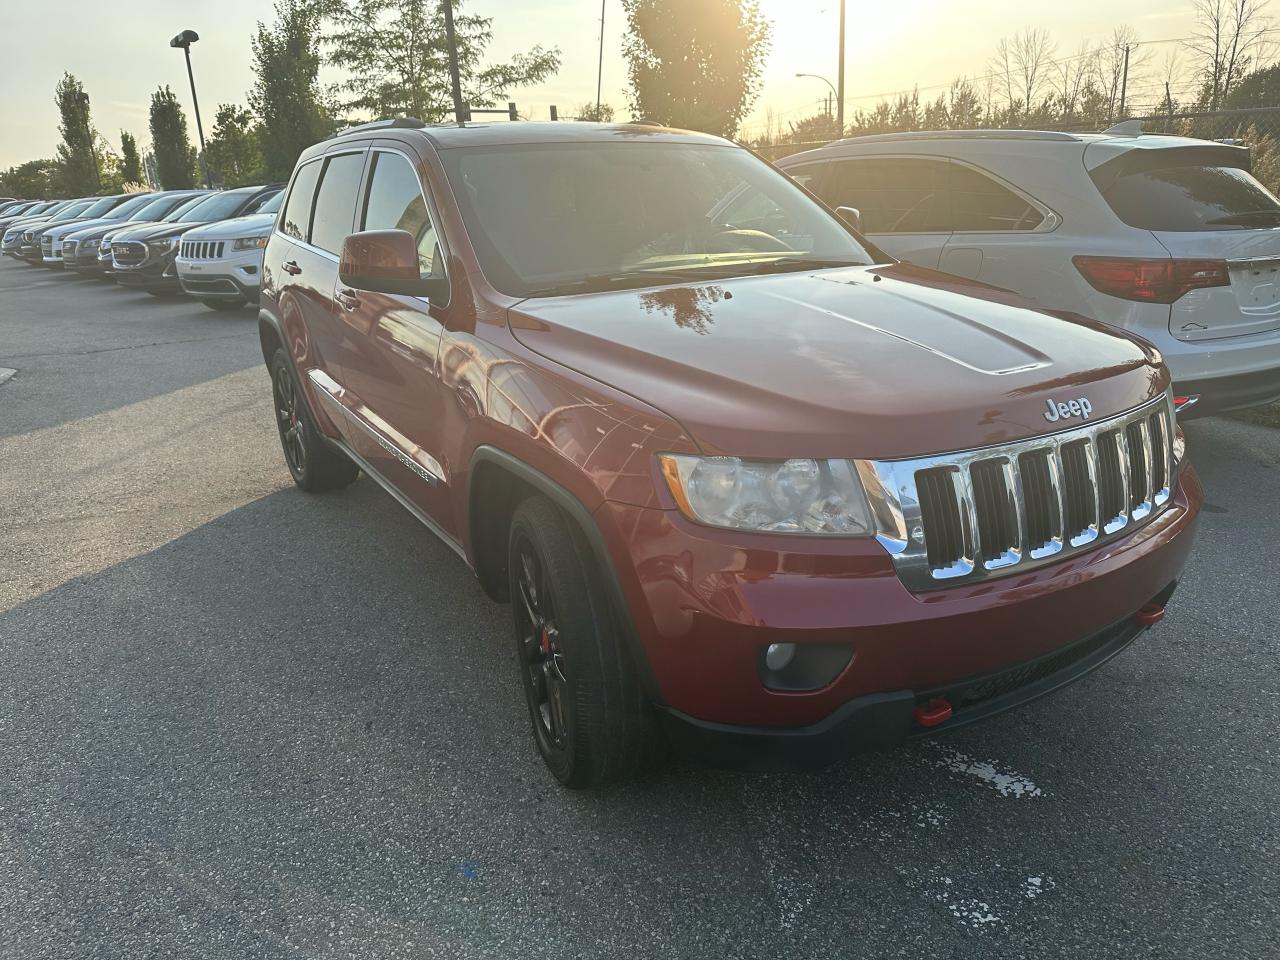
<point>778,655</point>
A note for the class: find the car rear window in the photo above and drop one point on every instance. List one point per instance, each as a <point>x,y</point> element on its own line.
<point>1194,197</point>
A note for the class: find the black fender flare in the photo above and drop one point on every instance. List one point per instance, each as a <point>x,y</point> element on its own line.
<point>586,522</point>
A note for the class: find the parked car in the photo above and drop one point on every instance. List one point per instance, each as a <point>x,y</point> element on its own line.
<point>221,264</point>
<point>28,246</point>
<point>707,461</point>
<point>49,237</point>
<point>92,250</point>
<point>11,241</point>
<point>14,206</point>
<point>143,258</point>
<point>1167,237</point>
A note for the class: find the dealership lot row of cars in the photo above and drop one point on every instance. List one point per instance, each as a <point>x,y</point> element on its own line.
<point>207,244</point>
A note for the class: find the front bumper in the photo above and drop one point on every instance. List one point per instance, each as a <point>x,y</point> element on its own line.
<point>704,608</point>
<point>158,274</point>
<point>232,278</point>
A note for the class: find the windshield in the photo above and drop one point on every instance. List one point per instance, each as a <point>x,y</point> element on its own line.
<point>272,205</point>
<point>105,205</point>
<point>219,206</point>
<point>183,207</point>
<point>71,210</point>
<point>1187,198</point>
<point>557,218</point>
<point>129,207</point>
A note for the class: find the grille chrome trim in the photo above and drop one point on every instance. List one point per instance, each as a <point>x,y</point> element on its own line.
<point>902,528</point>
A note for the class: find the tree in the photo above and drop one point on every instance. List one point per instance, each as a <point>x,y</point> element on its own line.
<point>175,158</point>
<point>397,59</point>
<point>694,63</point>
<point>32,180</point>
<point>1229,36</point>
<point>232,153</point>
<point>601,114</point>
<point>1022,64</point>
<point>286,97</point>
<point>78,172</point>
<point>130,164</point>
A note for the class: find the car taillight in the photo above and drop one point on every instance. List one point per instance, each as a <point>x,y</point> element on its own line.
<point>1151,281</point>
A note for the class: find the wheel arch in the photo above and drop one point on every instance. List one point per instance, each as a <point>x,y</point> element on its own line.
<point>501,481</point>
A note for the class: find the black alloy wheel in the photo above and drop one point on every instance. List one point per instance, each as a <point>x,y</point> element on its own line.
<point>289,420</point>
<point>546,682</point>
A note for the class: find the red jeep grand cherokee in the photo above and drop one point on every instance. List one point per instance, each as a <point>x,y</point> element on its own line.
<point>746,482</point>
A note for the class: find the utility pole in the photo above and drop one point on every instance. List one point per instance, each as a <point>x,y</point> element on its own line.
<point>840,79</point>
<point>1124,81</point>
<point>460,111</point>
<point>600,66</point>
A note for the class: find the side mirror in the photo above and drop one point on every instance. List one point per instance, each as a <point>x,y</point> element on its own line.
<point>850,215</point>
<point>386,261</point>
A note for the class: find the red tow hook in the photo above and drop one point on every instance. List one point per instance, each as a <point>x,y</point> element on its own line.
<point>1150,615</point>
<point>936,711</point>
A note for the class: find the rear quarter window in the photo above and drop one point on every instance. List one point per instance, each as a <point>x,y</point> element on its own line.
<point>1192,198</point>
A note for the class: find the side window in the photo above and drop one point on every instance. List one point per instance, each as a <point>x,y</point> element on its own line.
<point>394,202</point>
<point>297,212</point>
<point>806,174</point>
<point>893,195</point>
<point>980,204</point>
<point>336,201</point>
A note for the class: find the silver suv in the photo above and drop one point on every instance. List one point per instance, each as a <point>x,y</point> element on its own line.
<point>1168,237</point>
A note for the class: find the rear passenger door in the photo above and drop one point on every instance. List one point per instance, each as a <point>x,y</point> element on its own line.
<point>992,227</point>
<point>902,200</point>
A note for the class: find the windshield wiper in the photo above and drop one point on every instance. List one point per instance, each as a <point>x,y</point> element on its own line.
<point>793,264</point>
<point>613,281</point>
<point>1242,219</point>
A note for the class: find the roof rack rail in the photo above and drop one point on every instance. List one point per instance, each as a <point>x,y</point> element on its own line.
<point>963,135</point>
<point>396,123</point>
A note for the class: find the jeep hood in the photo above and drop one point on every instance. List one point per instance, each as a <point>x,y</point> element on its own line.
<point>254,225</point>
<point>881,362</point>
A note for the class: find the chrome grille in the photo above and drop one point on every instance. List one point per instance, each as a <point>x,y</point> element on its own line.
<point>128,253</point>
<point>981,513</point>
<point>202,249</point>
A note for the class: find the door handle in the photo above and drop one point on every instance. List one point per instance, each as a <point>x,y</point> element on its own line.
<point>347,298</point>
<point>291,267</point>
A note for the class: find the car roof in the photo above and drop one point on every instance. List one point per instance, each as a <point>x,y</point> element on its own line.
<point>447,136</point>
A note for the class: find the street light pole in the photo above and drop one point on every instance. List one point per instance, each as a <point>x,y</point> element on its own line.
<point>600,65</point>
<point>184,40</point>
<point>840,78</point>
<point>818,76</point>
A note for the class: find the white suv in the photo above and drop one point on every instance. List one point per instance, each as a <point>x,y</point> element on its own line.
<point>221,264</point>
<point>1168,237</point>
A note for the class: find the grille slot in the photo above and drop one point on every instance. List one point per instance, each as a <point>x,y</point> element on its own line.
<point>1159,452</point>
<point>1007,507</point>
<point>940,510</point>
<point>1110,478</point>
<point>997,519</point>
<point>1081,496</point>
<point>1039,497</point>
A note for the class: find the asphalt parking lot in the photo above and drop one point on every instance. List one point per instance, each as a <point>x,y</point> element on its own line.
<point>239,721</point>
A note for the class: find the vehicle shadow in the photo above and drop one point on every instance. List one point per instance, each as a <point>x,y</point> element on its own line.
<point>300,724</point>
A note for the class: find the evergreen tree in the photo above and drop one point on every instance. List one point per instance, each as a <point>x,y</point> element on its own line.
<point>175,157</point>
<point>130,164</point>
<point>286,95</point>
<point>78,172</point>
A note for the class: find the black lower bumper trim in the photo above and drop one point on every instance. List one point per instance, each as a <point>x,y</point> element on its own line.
<point>1223,394</point>
<point>885,719</point>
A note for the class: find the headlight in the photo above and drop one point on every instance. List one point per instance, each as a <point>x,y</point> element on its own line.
<point>810,497</point>
<point>249,243</point>
<point>160,246</point>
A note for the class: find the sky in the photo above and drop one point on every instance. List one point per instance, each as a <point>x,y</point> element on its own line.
<point>121,59</point>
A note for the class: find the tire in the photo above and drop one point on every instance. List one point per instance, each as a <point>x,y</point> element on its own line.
<point>316,465</point>
<point>224,304</point>
<point>591,721</point>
